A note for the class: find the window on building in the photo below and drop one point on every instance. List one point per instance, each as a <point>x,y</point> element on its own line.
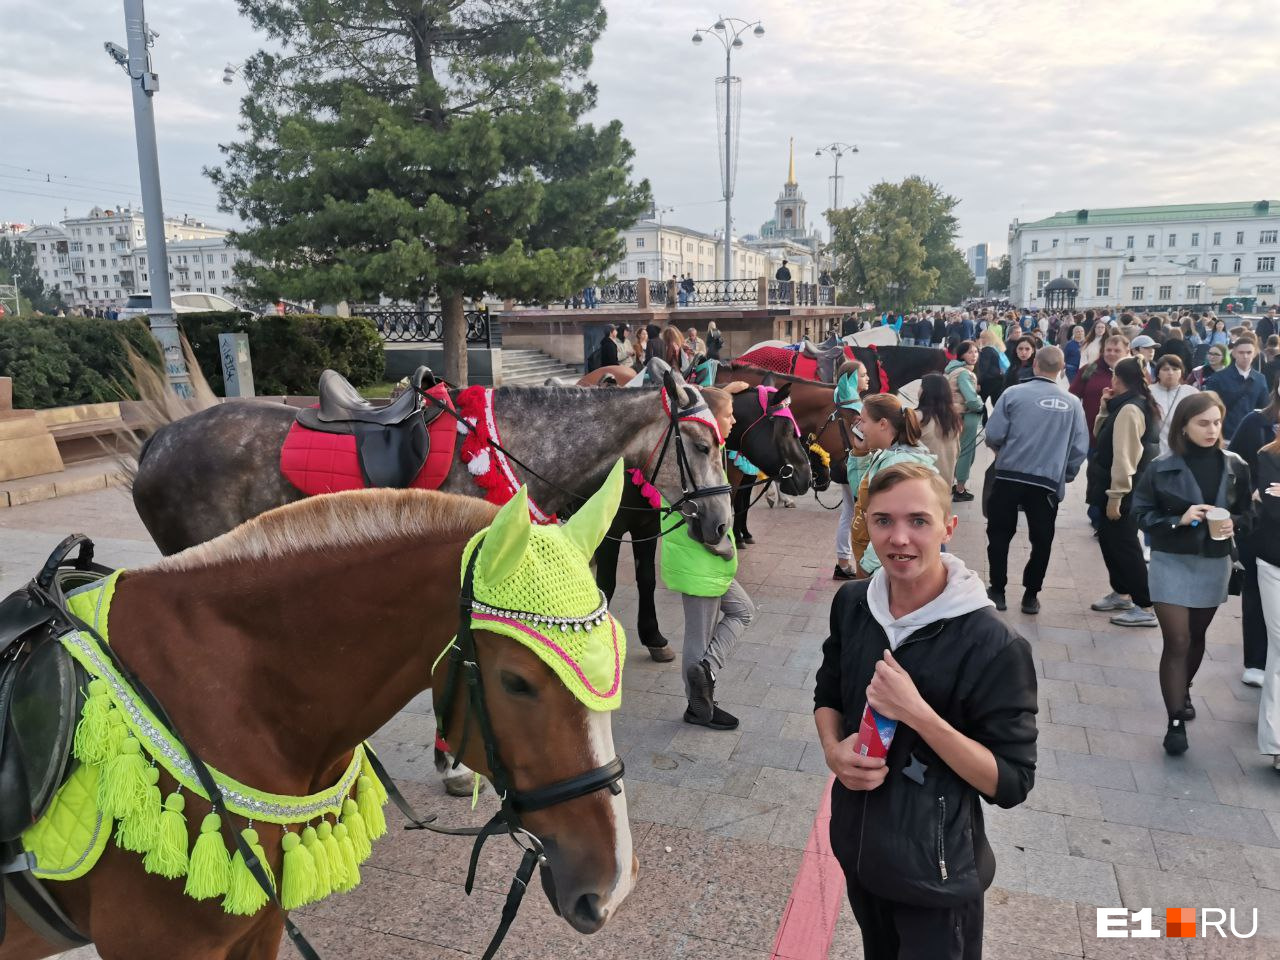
<point>639,242</point>
<point>1042,277</point>
<point>1217,238</point>
<point>1235,268</point>
<point>1055,244</point>
<point>1195,239</point>
<point>198,276</point>
<point>1080,240</point>
<point>1108,243</point>
<point>1193,263</point>
<point>1137,293</point>
<point>1239,236</point>
<point>115,278</point>
<point>1103,286</point>
<point>1128,242</point>
<point>1151,241</point>
<point>224,274</point>
<point>1266,264</point>
<point>1074,277</point>
<point>1266,288</point>
<point>1268,236</point>
<point>640,268</point>
<point>1213,265</point>
<point>1193,291</point>
<point>1173,239</point>
<point>1166,292</point>
<point>1035,246</point>
<point>95,294</point>
<point>101,247</point>
<point>93,279</point>
<point>224,258</point>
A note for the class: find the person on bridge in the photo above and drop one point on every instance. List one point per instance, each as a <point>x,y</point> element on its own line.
<point>1040,438</point>
<point>920,644</point>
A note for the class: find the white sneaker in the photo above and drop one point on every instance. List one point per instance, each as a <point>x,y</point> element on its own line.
<point>1252,677</point>
<point>1112,601</point>
<point>1135,617</point>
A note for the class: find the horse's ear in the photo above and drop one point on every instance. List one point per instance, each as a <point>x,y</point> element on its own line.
<point>588,525</point>
<point>767,380</point>
<point>782,393</point>
<point>508,538</point>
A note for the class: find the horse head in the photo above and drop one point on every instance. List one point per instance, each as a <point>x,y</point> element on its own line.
<point>550,660</point>
<point>767,434</point>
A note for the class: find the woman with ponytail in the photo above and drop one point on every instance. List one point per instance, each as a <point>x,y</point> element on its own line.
<point>851,383</point>
<point>1127,433</point>
<point>892,433</point>
<point>964,391</point>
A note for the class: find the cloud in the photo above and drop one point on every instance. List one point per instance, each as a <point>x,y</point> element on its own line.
<point>1018,110</point>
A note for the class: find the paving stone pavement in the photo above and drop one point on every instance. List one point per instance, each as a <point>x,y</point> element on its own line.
<point>1112,820</point>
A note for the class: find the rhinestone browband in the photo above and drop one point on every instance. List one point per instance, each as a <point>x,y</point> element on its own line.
<point>577,624</point>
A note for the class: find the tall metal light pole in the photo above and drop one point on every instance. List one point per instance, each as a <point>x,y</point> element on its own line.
<point>136,62</point>
<point>837,151</point>
<point>729,31</point>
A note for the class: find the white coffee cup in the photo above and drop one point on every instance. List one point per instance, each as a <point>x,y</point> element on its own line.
<point>1217,518</point>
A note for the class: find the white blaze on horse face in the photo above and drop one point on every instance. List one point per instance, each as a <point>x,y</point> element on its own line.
<point>600,739</point>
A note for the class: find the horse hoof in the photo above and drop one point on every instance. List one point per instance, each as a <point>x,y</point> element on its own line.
<point>458,784</point>
<point>662,654</point>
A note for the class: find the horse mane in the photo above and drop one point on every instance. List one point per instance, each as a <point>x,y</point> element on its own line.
<point>779,377</point>
<point>338,521</point>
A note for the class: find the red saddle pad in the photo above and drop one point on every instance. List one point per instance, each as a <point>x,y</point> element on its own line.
<point>317,462</point>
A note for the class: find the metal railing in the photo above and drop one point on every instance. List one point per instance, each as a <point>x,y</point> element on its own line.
<point>781,293</point>
<point>724,291</point>
<point>410,325</point>
<point>620,291</point>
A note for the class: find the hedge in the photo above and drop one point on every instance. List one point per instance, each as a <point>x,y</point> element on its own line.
<point>60,361</point>
<point>289,352</point>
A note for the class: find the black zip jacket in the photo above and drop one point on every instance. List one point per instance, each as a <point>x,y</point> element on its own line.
<point>924,842</point>
<point>1167,489</point>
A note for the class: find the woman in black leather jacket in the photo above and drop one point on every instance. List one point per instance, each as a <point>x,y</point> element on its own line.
<point>1189,569</point>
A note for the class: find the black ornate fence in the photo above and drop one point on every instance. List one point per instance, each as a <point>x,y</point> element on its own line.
<point>725,291</point>
<point>621,291</point>
<point>410,325</point>
<point>781,293</point>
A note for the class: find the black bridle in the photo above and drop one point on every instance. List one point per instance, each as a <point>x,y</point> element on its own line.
<point>464,670</point>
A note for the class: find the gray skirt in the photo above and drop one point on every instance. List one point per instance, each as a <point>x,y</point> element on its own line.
<point>1188,580</point>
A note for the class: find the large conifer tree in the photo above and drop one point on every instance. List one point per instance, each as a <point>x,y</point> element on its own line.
<point>427,149</point>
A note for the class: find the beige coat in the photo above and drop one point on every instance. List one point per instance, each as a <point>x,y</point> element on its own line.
<point>946,449</point>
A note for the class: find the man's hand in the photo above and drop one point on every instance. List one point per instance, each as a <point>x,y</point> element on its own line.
<point>853,770</point>
<point>1113,509</point>
<point>893,694</point>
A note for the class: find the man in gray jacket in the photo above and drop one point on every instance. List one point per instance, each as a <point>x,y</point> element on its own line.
<point>1040,438</point>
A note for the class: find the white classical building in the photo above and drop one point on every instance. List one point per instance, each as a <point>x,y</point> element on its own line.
<point>98,260</point>
<point>1150,257</point>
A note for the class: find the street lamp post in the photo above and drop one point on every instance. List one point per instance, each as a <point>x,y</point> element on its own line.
<point>729,31</point>
<point>837,151</point>
<point>136,62</point>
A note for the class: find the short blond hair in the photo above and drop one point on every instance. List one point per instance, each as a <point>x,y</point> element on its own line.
<point>890,477</point>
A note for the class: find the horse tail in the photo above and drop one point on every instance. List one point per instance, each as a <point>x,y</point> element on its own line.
<point>160,406</point>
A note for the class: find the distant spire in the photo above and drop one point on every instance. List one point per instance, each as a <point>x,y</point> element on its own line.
<point>791,164</point>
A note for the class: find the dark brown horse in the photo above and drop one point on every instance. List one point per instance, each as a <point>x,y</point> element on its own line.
<point>280,647</point>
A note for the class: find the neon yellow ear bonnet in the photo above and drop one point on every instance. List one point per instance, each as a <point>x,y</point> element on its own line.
<point>533,583</point>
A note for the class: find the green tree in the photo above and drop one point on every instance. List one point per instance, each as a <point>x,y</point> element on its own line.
<point>18,266</point>
<point>998,276</point>
<point>896,246</point>
<point>430,149</point>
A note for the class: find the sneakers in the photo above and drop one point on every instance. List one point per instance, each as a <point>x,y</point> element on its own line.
<point>1135,617</point>
<point>1175,738</point>
<point>1188,711</point>
<point>1112,601</point>
<point>961,496</point>
<point>1030,604</point>
<point>843,573</point>
<point>1252,677</point>
<point>702,690</point>
<point>720,720</point>
<point>997,597</point>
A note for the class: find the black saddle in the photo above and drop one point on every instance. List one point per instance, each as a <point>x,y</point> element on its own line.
<point>41,696</point>
<point>391,441</point>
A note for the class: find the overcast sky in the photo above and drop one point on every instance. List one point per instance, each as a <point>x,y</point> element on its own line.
<point>1017,109</point>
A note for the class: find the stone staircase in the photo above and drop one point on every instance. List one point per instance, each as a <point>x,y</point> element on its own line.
<point>531,367</point>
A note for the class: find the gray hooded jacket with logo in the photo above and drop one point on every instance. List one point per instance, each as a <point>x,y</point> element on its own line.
<point>1038,432</point>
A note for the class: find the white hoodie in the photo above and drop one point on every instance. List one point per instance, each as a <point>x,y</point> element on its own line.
<point>963,593</point>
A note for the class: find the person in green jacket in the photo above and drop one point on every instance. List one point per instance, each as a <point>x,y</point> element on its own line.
<point>717,610</point>
<point>964,391</point>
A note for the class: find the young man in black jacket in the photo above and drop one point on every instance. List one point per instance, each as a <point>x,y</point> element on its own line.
<point>920,643</point>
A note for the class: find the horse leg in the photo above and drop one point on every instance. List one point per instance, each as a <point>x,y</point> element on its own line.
<point>644,549</point>
<point>607,553</point>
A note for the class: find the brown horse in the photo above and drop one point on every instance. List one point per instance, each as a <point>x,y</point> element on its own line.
<point>282,645</point>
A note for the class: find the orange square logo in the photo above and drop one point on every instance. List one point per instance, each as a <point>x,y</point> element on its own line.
<point>1180,922</point>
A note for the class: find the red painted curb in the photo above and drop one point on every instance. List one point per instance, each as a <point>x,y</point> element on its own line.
<point>813,909</point>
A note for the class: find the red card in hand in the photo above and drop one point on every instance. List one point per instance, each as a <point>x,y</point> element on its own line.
<point>875,733</point>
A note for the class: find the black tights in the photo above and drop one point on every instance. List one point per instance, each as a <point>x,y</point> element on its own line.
<point>1184,629</point>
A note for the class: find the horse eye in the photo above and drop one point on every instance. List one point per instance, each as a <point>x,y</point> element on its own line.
<point>703,448</point>
<point>515,684</point>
